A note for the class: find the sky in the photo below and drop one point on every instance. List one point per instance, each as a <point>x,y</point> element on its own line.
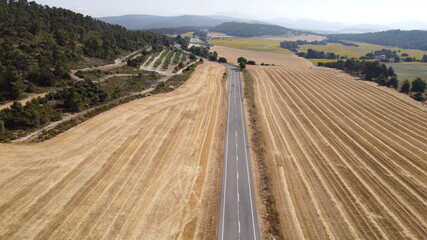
<point>345,11</point>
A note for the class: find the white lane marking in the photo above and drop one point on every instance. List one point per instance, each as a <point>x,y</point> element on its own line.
<point>237,158</point>
<point>226,167</point>
<point>247,169</point>
<point>237,192</point>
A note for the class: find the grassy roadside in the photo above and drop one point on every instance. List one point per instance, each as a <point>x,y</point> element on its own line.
<point>272,215</point>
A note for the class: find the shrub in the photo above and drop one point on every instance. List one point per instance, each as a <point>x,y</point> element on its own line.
<point>419,96</point>
<point>213,58</point>
<point>242,59</point>
<point>393,82</point>
<point>382,80</point>
<point>222,60</point>
<point>406,86</point>
<point>418,85</point>
<point>1,126</point>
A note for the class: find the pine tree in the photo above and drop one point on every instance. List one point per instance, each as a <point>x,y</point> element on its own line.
<point>14,84</point>
<point>406,86</point>
<point>418,85</point>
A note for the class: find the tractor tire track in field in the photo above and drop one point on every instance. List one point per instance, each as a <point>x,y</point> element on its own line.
<point>347,160</point>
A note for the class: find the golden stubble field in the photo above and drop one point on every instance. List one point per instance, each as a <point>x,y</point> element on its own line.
<point>281,59</point>
<point>347,160</point>
<point>148,169</point>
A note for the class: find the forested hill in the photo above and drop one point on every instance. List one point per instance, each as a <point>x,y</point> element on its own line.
<point>394,38</point>
<point>252,29</point>
<point>40,44</point>
<point>143,22</point>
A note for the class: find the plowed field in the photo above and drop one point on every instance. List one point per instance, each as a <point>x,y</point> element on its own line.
<point>148,169</point>
<point>347,160</point>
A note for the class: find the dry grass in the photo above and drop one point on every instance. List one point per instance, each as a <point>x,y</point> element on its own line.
<point>219,35</point>
<point>262,43</point>
<point>266,204</point>
<point>347,160</point>
<point>231,54</point>
<point>187,34</point>
<point>253,44</point>
<point>309,38</point>
<point>148,169</point>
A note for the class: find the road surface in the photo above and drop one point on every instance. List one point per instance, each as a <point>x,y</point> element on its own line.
<point>238,218</point>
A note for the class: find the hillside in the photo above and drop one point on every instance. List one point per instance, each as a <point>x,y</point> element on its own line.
<point>252,29</point>
<point>143,22</point>
<point>395,38</point>
<point>39,45</point>
<point>175,31</point>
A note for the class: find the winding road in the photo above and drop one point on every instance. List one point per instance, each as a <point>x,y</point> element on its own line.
<point>238,218</point>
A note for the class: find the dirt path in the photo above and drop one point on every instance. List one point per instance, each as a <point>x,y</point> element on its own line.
<point>116,75</point>
<point>347,159</point>
<point>25,100</point>
<point>117,63</point>
<point>148,169</point>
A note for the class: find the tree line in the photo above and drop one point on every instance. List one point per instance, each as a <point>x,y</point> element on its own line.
<point>375,71</point>
<point>314,54</point>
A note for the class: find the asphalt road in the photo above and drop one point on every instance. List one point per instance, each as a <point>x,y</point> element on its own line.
<point>238,218</point>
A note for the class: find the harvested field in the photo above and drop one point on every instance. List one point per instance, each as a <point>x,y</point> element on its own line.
<point>346,160</point>
<point>252,44</point>
<point>231,54</point>
<point>219,35</point>
<point>148,169</point>
<point>309,38</point>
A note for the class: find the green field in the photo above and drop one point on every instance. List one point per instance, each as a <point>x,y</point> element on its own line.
<point>187,34</point>
<point>254,44</point>
<point>316,61</point>
<point>409,71</point>
<point>404,71</point>
<point>360,51</point>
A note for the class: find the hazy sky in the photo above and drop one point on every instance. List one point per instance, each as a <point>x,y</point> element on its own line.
<point>345,11</point>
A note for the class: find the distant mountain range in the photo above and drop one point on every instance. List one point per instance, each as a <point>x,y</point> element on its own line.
<point>414,39</point>
<point>143,22</point>
<point>240,29</point>
<point>337,27</point>
<point>327,27</point>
